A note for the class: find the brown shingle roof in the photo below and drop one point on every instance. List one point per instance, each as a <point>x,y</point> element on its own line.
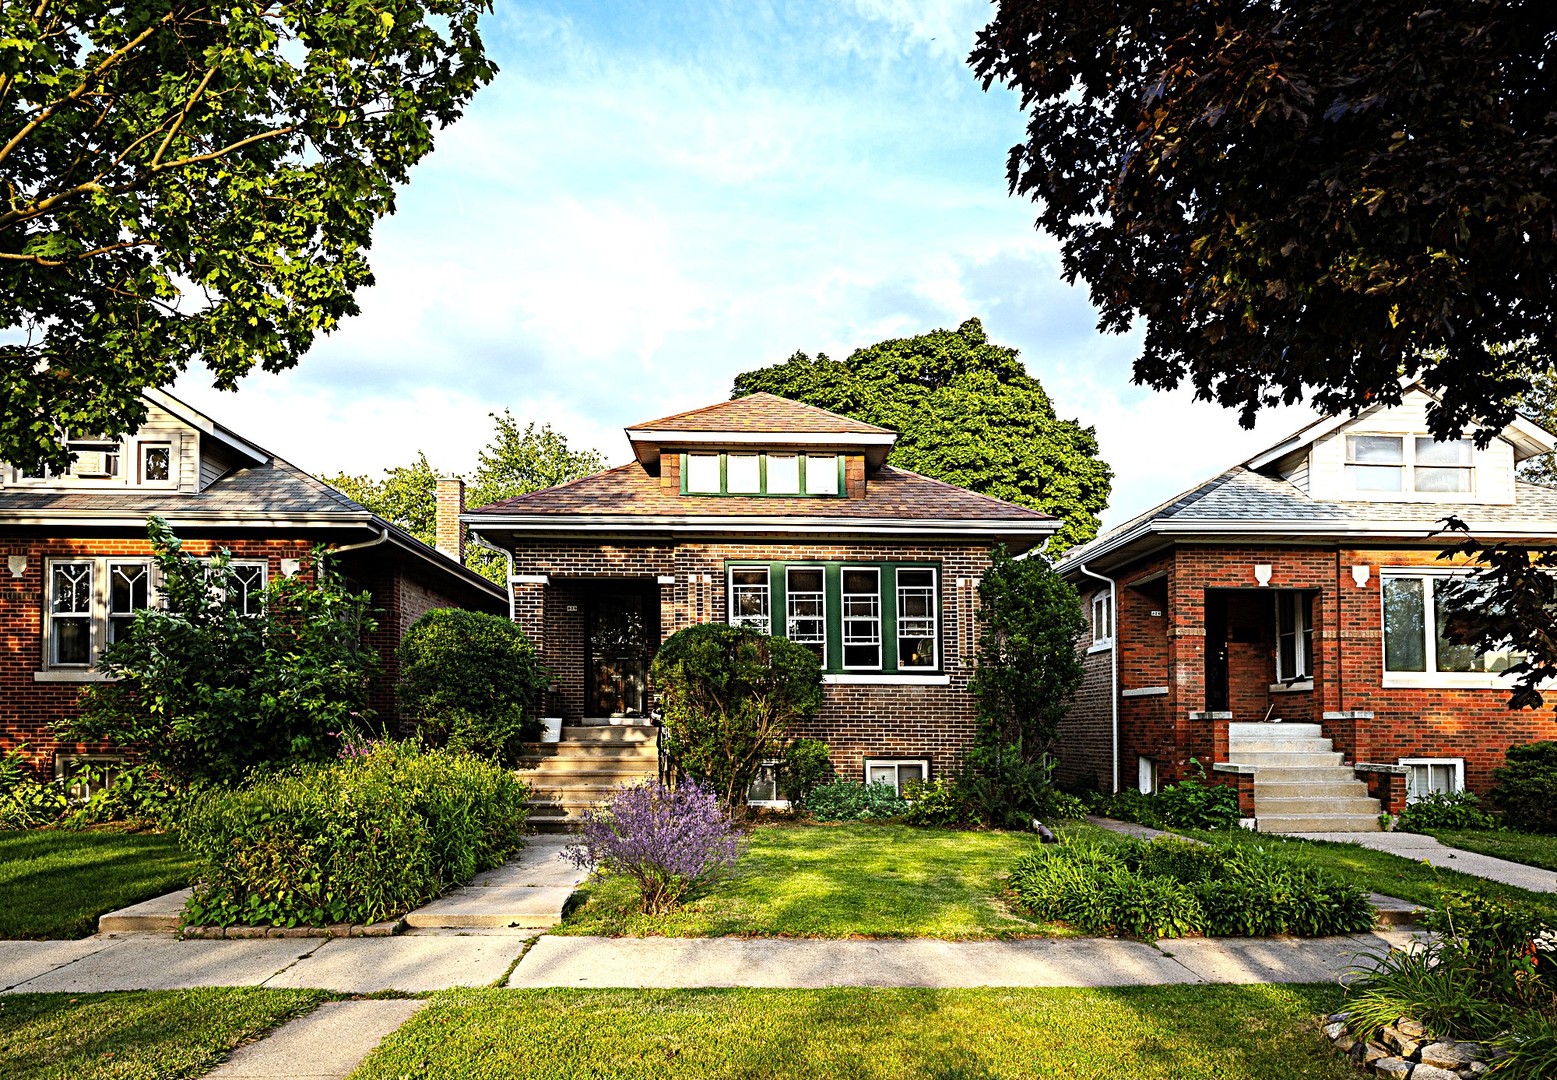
<point>628,491</point>
<point>762,413</point>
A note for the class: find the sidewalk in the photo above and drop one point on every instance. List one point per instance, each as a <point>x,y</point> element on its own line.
<point>1429,850</point>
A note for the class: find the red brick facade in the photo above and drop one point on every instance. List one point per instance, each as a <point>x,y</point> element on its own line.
<point>889,719</point>
<point>1166,603</point>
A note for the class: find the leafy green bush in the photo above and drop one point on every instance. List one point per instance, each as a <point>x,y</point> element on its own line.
<point>29,804</point>
<point>808,764</point>
<point>207,690</point>
<point>729,696</point>
<point>133,793</point>
<point>850,800</point>
<point>1170,888</point>
<point>1525,788</point>
<point>934,802</point>
<point>1127,804</point>
<point>1192,804</point>
<point>359,840</point>
<point>1445,810</point>
<point>472,682</point>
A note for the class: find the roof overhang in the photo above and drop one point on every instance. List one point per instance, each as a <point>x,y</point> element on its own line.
<point>205,425</point>
<point>605,526</point>
<point>647,442</point>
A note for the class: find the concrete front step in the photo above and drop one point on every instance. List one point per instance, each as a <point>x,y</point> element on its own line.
<point>551,823</point>
<point>159,915</point>
<point>563,778</point>
<point>1279,746</point>
<point>1331,759</point>
<point>596,752</point>
<point>591,733</point>
<point>1262,730</point>
<point>1297,806</point>
<point>533,907</point>
<point>1311,789</point>
<point>1304,774</point>
<point>1277,823</point>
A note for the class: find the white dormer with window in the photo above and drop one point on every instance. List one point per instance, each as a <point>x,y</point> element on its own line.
<point>1387,454</point>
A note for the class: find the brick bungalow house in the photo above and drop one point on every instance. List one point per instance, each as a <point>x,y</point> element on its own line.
<point>1300,586</point>
<point>78,560</point>
<point>774,513</point>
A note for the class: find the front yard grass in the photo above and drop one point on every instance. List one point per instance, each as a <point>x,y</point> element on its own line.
<point>1392,875</point>
<point>139,1035</point>
<point>1145,1033</point>
<point>836,881</point>
<point>1532,849</point>
<point>54,883</point>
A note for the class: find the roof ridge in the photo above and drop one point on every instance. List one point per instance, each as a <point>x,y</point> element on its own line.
<point>761,395</point>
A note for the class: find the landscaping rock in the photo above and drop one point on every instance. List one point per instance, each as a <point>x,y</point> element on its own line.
<point>1411,1029</point>
<point>1334,1030</point>
<point>1392,1068</point>
<point>1398,1055</point>
<point>1450,1055</point>
<point>1433,1072</point>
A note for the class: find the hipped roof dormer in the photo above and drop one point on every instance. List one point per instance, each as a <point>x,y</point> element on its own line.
<point>760,420</point>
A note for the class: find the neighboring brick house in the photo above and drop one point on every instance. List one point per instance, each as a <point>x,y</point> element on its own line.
<point>765,511</point>
<point>1300,586</point>
<point>78,562</point>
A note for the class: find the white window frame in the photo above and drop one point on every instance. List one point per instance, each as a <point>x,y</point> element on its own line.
<point>1431,677</point>
<point>1408,467</point>
<point>768,472</point>
<point>778,773</point>
<point>1102,621</point>
<point>1458,765</point>
<point>1145,774</point>
<point>1302,631</point>
<point>935,616</point>
<point>815,469</point>
<point>790,618</point>
<point>756,465</point>
<point>142,450</point>
<point>81,790</point>
<point>765,623</point>
<point>896,765</point>
<point>692,489</point>
<point>90,617</point>
<point>847,620</point>
<point>107,588</point>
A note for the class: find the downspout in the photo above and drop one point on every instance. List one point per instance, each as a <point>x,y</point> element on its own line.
<point>375,542</point>
<point>1113,661</point>
<point>508,582</point>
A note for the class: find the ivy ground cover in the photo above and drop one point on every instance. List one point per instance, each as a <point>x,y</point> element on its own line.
<point>139,1035</point>
<point>846,880</point>
<point>54,883</point>
<point>1145,1033</point>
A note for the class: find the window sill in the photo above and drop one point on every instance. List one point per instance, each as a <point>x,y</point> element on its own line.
<point>1100,646</point>
<point>1145,691</point>
<point>867,679</point>
<point>70,676</point>
<point>1447,681</point>
<point>1291,687</point>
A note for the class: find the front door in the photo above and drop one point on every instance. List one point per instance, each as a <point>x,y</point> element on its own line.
<point>616,668</point>
<point>1218,698</point>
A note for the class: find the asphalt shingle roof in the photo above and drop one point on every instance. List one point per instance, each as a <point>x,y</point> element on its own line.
<point>762,413</point>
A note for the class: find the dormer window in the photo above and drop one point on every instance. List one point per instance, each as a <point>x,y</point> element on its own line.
<point>1386,463</point>
<point>96,459</point>
<point>760,474</point>
<point>156,463</point>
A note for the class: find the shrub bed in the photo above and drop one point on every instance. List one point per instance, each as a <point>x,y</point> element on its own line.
<point>850,800</point>
<point>1189,804</point>
<point>359,840</point>
<point>1175,888</point>
<point>1445,810</point>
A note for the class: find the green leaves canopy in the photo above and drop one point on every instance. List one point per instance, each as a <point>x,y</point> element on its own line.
<point>184,181</point>
<point>966,412</point>
<point>1290,195</point>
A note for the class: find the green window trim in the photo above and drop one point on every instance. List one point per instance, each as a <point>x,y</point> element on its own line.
<point>724,491</point>
<point>832,576</point>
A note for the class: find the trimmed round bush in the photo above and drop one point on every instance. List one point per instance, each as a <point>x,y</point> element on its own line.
<point>471,682</point>
<point>359,840</point>
<point>1525,790</point>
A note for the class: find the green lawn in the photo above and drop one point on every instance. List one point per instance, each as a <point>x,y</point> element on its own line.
<point>1144,1033</point>
<point>852,880</point>
<point>155,1035</point>
<point>54,883</point>
<point>1532,849</point>
<point>1391,875</point>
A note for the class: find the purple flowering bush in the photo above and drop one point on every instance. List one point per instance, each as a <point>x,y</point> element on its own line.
<point>668,840</point>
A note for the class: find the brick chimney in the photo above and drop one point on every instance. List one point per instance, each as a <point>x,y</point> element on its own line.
<point>450,501</point>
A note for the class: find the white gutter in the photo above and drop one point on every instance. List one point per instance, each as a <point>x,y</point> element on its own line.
<point>1113,661</point>
<point>375,542</point>
<point>606,523</point>
<point>476,538</point>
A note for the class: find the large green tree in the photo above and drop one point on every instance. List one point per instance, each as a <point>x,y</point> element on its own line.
<point>966,411</point>
<point>1299,197</point>
<point>516,461</point>
<point>188,182</point>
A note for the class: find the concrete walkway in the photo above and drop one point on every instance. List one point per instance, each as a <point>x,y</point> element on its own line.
<point>525,894</point>
<point>810,963</point>
<point>327,1044</point>
<point>1429,850</point>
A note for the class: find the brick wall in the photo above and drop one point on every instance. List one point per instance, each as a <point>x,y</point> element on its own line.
<point>857,721</point>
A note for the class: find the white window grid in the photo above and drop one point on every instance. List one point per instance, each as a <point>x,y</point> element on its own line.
<point>1428,775</point>
<point>1419,459</point>
<point>129,590</point>
<point>1431,673</point>
<point>807,608</point>
<point>877,771</point>
<point>1292,621</point>
<point>918,627</point>
<point>71,604</point>
<point>751,598</point>
<point>862,617</point>
<point>1102,619</point>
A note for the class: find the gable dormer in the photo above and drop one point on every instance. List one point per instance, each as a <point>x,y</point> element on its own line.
<point>761,446</point>
<point>1387,454</point>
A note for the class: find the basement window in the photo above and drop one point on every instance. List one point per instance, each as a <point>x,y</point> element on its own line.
<point>1433,776</point>
<point>899,772</point>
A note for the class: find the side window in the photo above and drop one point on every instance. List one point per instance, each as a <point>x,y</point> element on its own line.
<point>861,617</point>
<point>70,613</point>
<point>129,590</point>
<point>750,598</point>
<point>1102,619</point>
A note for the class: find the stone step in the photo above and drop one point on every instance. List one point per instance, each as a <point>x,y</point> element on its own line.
<point>159,915</point>
<point>1279,746</point>
<point>1304,774</point>
<point>1298,806</point>
<point>579,752</point>
<point>599,774</point>
<point>577,796</point>
<point>1260,730</point>
<point>552,822</point>
<point>608,733</point>
<point>1309,789</point>
<point>1278,823</point>
<point>1331,759</point>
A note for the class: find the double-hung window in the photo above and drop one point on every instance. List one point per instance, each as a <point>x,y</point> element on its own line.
<point>1102,620</point>
<point>91,603</point>
<point>1294,637</point>
<point>750,598</point>
<point>861,618</point>
<point>129,590</point>
<point>1385,463</point>
<point>805,593</point>
<point>1416,647</point>
<point>917,626</point>
<point>70,613</point>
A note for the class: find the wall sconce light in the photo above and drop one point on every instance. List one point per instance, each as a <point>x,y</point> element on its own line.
<point>1360,575</point>
<point>18,565</point>
<point>290,567</point>
<point>1262,573</point>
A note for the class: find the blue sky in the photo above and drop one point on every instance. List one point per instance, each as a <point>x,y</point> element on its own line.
<point>653,197</point>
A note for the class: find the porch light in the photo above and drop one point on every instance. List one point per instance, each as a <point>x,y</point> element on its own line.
<point>1360,575</point>
<point>1262,573</point>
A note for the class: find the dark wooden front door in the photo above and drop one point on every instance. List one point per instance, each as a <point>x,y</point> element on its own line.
<point>616,668</point>
<point>1217,697</point>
